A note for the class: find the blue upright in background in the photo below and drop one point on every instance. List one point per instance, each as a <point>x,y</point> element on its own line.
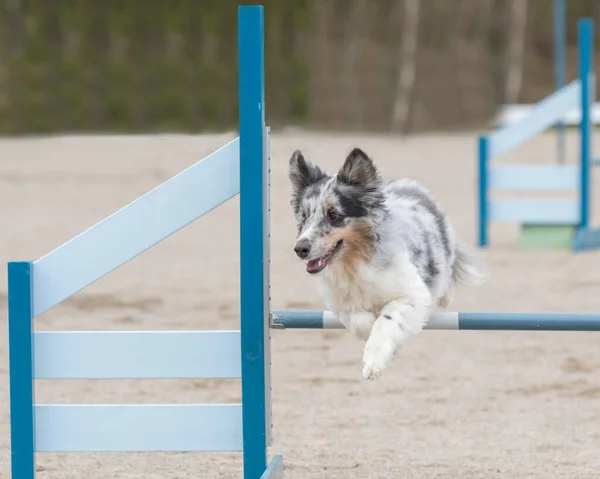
<point>585,35</point>
<point>560,40</point>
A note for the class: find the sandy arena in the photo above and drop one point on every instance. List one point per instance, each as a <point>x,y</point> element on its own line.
<point>453,405</point>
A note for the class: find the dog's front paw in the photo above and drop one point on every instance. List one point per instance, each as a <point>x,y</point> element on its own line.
<point>371,371</point>
<point>375,359</point>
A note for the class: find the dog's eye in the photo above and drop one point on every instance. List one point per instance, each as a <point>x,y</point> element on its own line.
<point>333,216</point>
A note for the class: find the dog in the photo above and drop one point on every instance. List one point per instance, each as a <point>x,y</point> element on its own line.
<point>383,252</point>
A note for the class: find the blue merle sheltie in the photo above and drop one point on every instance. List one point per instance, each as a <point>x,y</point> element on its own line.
<point>383,252</point>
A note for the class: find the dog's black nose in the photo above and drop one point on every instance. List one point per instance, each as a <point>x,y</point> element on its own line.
<point>302,249</point>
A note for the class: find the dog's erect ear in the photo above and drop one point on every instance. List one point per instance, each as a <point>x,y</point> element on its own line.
<point>359,170</point>
<point>302,174</point>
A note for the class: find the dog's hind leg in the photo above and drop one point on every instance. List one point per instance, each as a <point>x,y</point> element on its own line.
<point>399,321</point>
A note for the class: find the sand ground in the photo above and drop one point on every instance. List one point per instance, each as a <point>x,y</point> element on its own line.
<point>468,405</point>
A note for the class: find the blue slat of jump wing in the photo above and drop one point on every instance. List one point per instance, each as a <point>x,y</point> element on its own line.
<point>20,337</point>
<point>136,227</point>
<point>275,469</point>
<point>138,427</point>
<point>484,155</point>
<point>529,321</point>
<point>137,354</point>
<point>543,115</point>
<point>294,319</point>
<point>535,177</point>
<point>586,42</point>
<point>253,255</point>
<point>540,211</point>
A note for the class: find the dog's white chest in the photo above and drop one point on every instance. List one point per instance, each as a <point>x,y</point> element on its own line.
<point>361,292</point>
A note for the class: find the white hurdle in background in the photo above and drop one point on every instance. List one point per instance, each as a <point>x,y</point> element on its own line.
<point>547,212</point>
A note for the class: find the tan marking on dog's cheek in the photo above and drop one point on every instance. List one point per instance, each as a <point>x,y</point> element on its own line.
<point>359,243</point>
<point>360,240</point>
<point>332,239</point>
<point>335,236</point>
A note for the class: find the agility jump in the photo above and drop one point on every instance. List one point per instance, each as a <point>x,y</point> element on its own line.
<point>241,166</point>
<point>555,222</point>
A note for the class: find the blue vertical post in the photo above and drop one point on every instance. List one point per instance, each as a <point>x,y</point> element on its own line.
<point>586,42</point>
<point>254,252</point>
<point>20,345</point>
<point>483,154</point>
<point>560,41</point>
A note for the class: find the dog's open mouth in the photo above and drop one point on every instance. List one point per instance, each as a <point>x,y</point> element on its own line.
<point>315,265</point>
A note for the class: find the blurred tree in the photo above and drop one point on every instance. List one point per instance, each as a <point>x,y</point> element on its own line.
<point>516,51</point>
<point>387,65</point>
<point>407,66</point>
<point>354,33</point>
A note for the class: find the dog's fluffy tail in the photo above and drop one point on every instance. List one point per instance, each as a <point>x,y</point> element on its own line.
<point>469,266</point>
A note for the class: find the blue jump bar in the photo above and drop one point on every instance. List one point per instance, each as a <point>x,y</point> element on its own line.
<point>529,321</point>
<point>456,321</point>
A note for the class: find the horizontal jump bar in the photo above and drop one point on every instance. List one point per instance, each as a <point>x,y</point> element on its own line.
<point>136,354</point>
<point>293,319</point>
<point>536,211</point>
<point>534,177</point>
<point>138,427</point>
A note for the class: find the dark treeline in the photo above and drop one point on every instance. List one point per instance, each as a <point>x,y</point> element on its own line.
<point>153,65</point>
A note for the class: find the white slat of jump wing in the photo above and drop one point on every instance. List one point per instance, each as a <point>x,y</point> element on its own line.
<point>510,114</point>
<point>534,177</point>
<point>138,428</point>
<point>136,227</point>
<point>444,320</point>
<point>542,116</point>
<point>137,354</point>
<point>540,211</point>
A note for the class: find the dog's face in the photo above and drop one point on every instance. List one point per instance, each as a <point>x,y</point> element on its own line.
<point>335,214</point>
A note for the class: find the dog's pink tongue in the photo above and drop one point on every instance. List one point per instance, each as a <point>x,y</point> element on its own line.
<point>312,264</point>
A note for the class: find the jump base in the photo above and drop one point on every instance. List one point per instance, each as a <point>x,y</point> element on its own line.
<point>546,236</point>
